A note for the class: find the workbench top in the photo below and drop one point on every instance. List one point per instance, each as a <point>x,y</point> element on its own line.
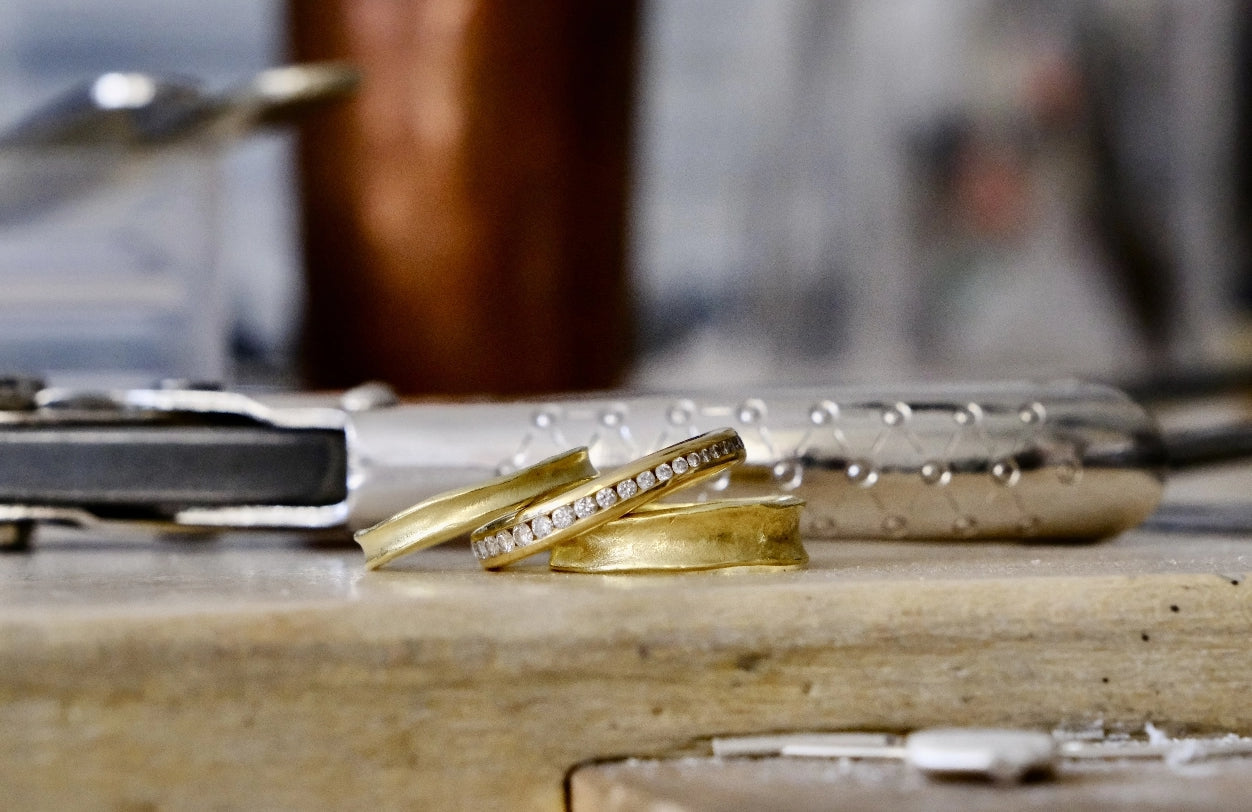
<point>274,671</point>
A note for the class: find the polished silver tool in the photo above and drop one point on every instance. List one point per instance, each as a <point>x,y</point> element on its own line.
<point>120,121</point>
<point>131,109</point>
<point>1060,460</point>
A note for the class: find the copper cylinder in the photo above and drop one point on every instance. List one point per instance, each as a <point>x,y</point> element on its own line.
<point>464,217</point>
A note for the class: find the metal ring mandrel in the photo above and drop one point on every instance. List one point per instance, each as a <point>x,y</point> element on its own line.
<point>672,537</point>
<point>454,514</point>
<point>569,512</point>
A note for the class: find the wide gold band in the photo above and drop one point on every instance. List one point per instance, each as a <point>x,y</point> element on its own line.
<point>455,513</point>
<point>563,515</point>
<point>675,537</point>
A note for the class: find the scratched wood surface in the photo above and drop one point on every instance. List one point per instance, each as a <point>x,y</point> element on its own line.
<point>273,672</point>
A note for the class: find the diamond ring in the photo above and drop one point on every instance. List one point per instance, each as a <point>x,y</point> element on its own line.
<point>571,511</point>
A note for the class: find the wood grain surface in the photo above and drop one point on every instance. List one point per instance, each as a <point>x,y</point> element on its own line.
<point>273,672</point>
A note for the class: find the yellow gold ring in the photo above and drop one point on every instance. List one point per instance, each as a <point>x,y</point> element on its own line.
<point>561,516</point>
<point>455,513</point>
<point>672,537</point>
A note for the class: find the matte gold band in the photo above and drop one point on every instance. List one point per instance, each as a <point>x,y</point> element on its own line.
<point>454,514</point>
<point>681,537</point>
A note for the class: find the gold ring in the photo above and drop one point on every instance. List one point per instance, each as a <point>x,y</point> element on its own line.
<point>449,515</point>
<point>561,516</point>
<point>674,537</point>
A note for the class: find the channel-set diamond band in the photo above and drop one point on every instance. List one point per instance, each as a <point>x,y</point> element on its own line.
<point>565,514</point>
<point>454,514</point>
<point>670,537</point>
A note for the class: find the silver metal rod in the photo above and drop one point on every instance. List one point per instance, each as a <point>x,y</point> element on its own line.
<point>1058,460</point>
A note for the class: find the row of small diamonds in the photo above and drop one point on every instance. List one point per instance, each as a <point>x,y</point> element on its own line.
<point>520,535</point>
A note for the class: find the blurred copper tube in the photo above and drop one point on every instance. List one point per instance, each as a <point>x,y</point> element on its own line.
<point>464,216</point>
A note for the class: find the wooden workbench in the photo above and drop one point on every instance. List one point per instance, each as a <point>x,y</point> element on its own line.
<point>274,672</point>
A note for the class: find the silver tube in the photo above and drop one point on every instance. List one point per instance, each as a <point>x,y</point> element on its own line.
<point>1057,460</point>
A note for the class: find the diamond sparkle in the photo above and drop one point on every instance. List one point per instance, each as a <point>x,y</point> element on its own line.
<point>521,535</point>
<point>563,516</point>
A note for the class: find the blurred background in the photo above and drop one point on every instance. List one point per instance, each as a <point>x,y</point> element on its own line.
<point>649,193</point>
<point>124,263</point>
